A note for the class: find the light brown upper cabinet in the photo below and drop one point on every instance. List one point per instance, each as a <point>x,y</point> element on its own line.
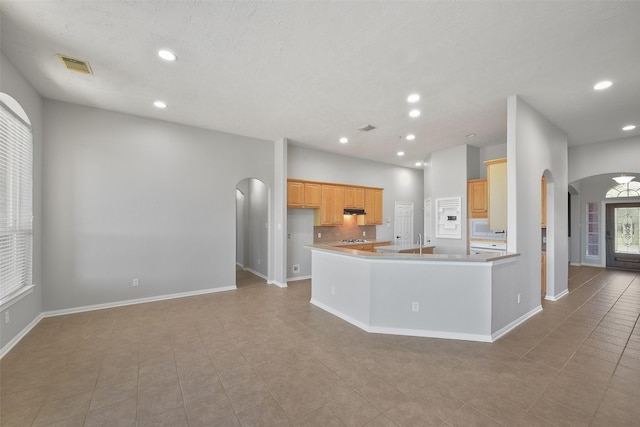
<point>477,195</point>
<point>303,194</point>
<point>312,195</point>
<point>295,194</point>
<point>331,210</point>
<point>544,202</point>
<point>372,207</point>
<point>497,192</point>
<point>354,197</point>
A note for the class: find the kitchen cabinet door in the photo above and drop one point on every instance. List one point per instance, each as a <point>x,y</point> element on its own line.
<point>497,192</point>
<point>477,195</point>
<point>295,194</point>
<point>331,210</point>
<point>312,195</point>
<point>372,206</point>
<point>354,197</point>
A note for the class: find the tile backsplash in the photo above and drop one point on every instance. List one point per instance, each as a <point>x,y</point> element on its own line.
<point>349,230</point>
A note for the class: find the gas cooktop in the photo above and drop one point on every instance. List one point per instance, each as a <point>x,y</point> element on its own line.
<point>354,241</point>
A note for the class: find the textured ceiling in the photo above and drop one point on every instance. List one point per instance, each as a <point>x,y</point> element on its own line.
<point>315,71</point>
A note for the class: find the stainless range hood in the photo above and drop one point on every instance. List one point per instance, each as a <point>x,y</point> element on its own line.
<point>354,212</point>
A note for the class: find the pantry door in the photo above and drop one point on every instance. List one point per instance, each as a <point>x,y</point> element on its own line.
<point>622,244</point>
<point>404,223</point>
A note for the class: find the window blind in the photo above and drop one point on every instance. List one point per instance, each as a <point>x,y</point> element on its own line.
<point>16,213</point>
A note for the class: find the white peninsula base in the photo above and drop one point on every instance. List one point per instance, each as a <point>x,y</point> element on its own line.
<point>458,297</point>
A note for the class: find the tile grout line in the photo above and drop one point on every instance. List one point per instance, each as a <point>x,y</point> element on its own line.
<point>573,354</point>
<point>635,325</point>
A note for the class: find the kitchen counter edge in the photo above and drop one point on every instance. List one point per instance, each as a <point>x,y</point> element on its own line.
<point>484,257</point>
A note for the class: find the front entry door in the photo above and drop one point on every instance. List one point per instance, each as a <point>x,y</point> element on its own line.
<point>623,246</point>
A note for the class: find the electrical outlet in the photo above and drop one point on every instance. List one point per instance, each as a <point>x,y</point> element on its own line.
<point>258,261</point>
<point>519,298</point>
<point>135,282</point>
<point>296,268</point>
<point>364,233</point>
<point>319,235</point>
<point>333,290</point>
<point>415,306</point>
<point>7,319</point>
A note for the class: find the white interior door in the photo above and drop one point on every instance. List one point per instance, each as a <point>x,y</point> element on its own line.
<point>427,221</point>
<point>404,223</point>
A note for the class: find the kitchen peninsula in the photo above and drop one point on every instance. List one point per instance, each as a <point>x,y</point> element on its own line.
<point>467,297</point>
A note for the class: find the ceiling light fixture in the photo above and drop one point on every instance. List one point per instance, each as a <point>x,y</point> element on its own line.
<point>400,153</point>
<point>418,163</point>
<point>605,84</point>
<point>167,55</point>
<point>629,127</point>
<point>623,179</point>
<point>414,97</point>
<point>160,104</point>
<point>471,135</point>
<point>411,137</point>
<point>414,113</point>
<point>344,140</point>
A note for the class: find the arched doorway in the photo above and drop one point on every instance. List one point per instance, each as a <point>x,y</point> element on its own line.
<point>252,232</point>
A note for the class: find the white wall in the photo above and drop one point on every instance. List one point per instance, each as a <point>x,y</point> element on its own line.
<point>129,197</point>
<point>535,146</point>
<point>240,227</point>
<point>400,185</point>
<point>621,155</point>
<point>445,176</point>
<point>257,235</point>
<point>25,311</point>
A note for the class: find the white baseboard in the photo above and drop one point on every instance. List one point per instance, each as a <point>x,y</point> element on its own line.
<point>341,315</point>
<point>135,301</point>
<point>576,264</point>
<point>402,331</point>
<point>64,311</point>
<point>278,284</point>
<point>294,279</point>
<point>15,340</point>
<point>500,332</point>
<point>556,297</point>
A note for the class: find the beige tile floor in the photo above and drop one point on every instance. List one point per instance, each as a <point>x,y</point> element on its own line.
<point>263,356</point>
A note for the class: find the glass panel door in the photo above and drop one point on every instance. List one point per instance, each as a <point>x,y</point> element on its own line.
<point>623,242</point>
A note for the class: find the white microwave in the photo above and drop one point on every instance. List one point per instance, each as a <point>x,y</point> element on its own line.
<point>479,229</point>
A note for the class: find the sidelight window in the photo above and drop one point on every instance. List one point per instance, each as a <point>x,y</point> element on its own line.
<point>593,227</point>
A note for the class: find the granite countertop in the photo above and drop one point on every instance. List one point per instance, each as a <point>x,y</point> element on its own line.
<point>401,248</point>
<point>483,257</point>
<point>341,243</point>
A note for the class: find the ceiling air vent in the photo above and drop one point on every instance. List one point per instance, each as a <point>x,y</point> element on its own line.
<point>366,128</point>
<point>77,65</point>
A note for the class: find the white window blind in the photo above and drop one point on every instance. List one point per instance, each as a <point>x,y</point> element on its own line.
<point>16,214</point>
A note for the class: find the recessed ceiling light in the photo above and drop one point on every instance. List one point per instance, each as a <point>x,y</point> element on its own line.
<point>167,55</point>
<point>605,84</point>
<point>414,113</point>
<point>411,137</point>
<point>160,104</point>
<point>414,97</point>
<point>629,127</point>
<point>344,140</point>
<point>471,135</point>
<point>400,153</point>
<point>418,163</point>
